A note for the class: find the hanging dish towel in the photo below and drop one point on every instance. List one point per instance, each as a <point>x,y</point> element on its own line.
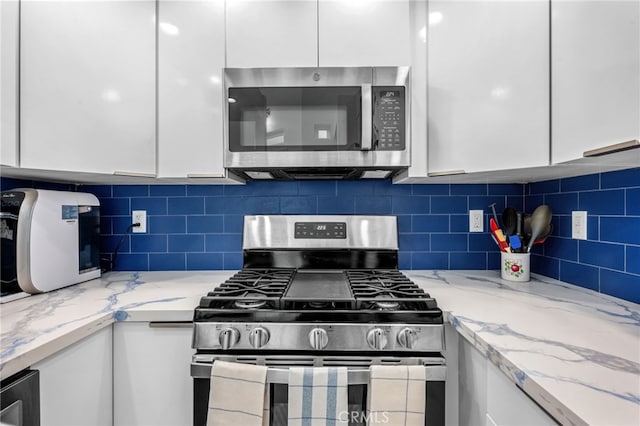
<point>318,396</point>
<point>237,395</point>
<point>397,395</point>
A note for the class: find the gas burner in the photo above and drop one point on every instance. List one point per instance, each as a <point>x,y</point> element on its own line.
<point>319,305</point>
<point>386,305</point>
<point>249,304</point>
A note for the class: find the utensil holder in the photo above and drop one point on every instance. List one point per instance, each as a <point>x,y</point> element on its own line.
<point>515,266</point>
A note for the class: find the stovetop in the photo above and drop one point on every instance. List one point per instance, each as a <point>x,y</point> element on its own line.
<point>357,295</point>
<point>318,284</point>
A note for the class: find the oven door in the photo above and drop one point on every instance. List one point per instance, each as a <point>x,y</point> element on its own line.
<point>358,376</point>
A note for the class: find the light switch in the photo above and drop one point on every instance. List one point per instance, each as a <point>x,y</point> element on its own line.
<point>579,225</point>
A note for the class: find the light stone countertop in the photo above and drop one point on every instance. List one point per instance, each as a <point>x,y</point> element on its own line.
<point>574,351</point>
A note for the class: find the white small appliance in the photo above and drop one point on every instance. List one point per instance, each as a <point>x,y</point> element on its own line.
<point>50,239</point>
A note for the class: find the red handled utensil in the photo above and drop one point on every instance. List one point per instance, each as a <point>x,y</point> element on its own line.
<point>497,232</point>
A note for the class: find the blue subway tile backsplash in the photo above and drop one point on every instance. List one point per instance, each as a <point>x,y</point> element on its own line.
<point>199,227</point>
<point>624,230</point>
<point>609,260</point>
<point>601,254</point>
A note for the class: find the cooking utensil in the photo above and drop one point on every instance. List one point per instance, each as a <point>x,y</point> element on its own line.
<point>493,208</point>
<point>544,235</point>
<point>519,224</point>
<point>540,220</point>
<point>509,221</point>
<point>497,232</point>
<point>514,242</point>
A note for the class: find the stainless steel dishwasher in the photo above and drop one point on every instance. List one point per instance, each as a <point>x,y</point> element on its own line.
<point>20,399</point>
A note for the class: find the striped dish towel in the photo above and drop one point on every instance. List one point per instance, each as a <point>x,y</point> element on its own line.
<point>318,396</point>
<point>237,395</point>
<point>397,395</point>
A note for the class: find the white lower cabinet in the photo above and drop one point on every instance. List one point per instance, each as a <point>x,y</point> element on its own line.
<point>472,385</point>
<point>488,397</point>
<point>451,386</point>
<point>76,383</point>
<point>508,405</point>
<point>151,379</point>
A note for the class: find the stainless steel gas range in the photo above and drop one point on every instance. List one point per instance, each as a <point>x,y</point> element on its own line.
<point>319,291</point>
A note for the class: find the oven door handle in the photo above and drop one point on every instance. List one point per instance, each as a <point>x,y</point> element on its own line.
<point>6,215</point>
<point>356,376</point>
<point>366,113</point>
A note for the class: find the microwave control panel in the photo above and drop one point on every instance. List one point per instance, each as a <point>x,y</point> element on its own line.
<point>388,118</point>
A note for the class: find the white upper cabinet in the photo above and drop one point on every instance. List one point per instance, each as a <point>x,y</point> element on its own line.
<point>488,93</point>
<point>364,33</point>
<point>272,33</point>
<point>190,94</point>
<point>9,54</point>
<point>595,61</point>
<point>310,33</point>
<point>88,86</point>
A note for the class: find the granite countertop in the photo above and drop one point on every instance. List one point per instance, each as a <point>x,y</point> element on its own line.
<point>574,351</point>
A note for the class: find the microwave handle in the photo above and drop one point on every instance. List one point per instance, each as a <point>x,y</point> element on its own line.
<point>367,113</point>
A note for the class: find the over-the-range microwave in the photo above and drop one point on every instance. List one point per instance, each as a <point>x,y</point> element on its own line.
<point>317,123</point>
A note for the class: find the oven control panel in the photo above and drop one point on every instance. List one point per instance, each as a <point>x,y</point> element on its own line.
<point>309,336</point>
<point>321,230</point>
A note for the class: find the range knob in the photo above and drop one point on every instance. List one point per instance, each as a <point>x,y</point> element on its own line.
<point>407,338</point>
<point>377,338</point>
<point>228,337</point>
<point>258,337</point>
<point>318,338</point>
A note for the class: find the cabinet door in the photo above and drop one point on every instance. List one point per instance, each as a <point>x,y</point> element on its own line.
<point>9,22</point>
<point>472,385</point>
<point>507,405</point>
<point>190,94</point>
<point>88,86</point>
<point>595,60</point>
<point>76,383</point>
<point>151,372</point>
<point>272,33</point>
<point>488,94</point>
<point>365,33</point>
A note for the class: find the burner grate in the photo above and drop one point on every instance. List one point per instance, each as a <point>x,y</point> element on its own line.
<point>250,289</point>
<point>387,290</point>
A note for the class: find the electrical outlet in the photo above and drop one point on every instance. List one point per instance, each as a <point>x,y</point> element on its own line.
<point>139,216</point>
<point>579,225</point>
<point>476,220</point>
